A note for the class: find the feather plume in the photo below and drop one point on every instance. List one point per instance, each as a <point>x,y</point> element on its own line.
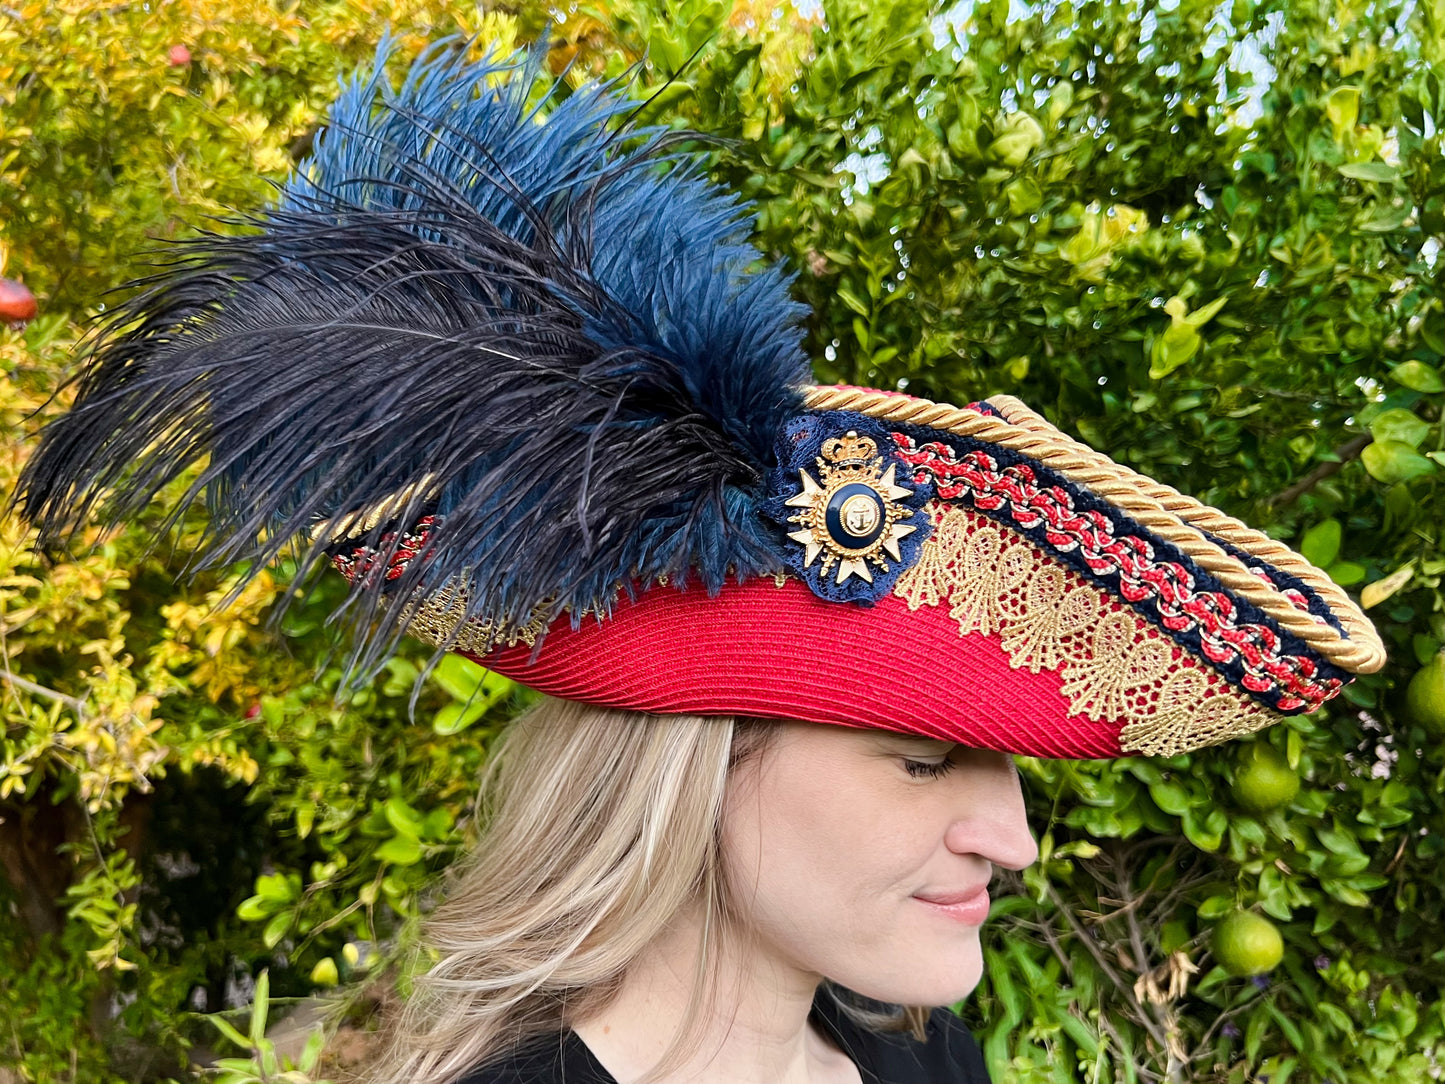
<point>541,325</point>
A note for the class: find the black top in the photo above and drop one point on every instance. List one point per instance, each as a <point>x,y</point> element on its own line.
<point>949,1054</point>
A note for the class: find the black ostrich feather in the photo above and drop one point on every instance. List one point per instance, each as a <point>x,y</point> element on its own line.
<point>547,331</point>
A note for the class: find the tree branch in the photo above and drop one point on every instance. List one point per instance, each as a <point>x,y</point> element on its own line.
<point>1145,1019</point>
<point>1351,449</point>
<point>1051,936</point>
<point>40,690</point>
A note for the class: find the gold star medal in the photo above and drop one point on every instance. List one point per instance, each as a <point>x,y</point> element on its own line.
<point>851,517</point>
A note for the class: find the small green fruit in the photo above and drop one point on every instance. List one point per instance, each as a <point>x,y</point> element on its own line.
<point>1425,695</point>
<point>1247,944</point>
<point>1264,780</point>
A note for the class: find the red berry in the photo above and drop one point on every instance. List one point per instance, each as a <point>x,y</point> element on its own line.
<point>17,304</point>
<point>179,56</point>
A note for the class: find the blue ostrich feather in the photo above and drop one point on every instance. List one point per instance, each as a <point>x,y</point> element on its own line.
<point>518,313</point>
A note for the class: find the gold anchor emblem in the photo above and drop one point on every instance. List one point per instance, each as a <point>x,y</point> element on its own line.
<point>850,518</point>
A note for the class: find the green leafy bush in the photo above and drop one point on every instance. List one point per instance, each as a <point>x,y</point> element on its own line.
<point>1205,239</point>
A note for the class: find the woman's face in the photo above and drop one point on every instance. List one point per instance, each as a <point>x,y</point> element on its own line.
<point>863,857</point>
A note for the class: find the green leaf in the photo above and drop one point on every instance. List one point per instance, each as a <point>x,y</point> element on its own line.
<point>458,676</point>
<point>1386,219</point>
<point>276,887</point>
<point>666,96</point>
<point>1146,771</point>
<point>1336,1016</point>
<point>1412,113</point>
<point>297,624</point>
<point>1254,1033</point>
<point>400,851</point>
<point>1215,906</point>
<point>325,973</point>
<point>1343,108</point>
<point>1402,425</point>
<point>1377,172</point>
<point>1321,543</point>
<point>457,716</point>
<point>401,677</point>
<point>1249,830</point>
<point>260,1006</point>
<point>1170,797</point>
<point>229,1032</point>
<point>1337,842</point>
<point>402,817</point>
<point>1432,331</point>
<point>1418,376</point>
<point>1424,646</point>
<point>1017,139</point>
<point>1174,347</point>
<point>273,710</point>
<point>1004,988</point>
<point>1346,573</point>
<point>311,1052</point>
<point>305,818</point>
<point>1024,196</point>
<point>852,300</point>
<point>277,928</point>
<point>438,824</point>
<point>1345,893</point>
<point>255,908</point>
<point>1286,1025</point>
<point>1084,1037</point>
<point>1206,833</point>
<point>1392,461</point>
<point>1201,316</point>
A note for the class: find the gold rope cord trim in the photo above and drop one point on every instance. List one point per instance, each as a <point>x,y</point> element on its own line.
<point>404,505</point>
<point>1115,666</point>
<point>1171,515</point>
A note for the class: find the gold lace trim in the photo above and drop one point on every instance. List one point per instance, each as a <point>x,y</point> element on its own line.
<point>1115,666</point>
<point>440,613</point>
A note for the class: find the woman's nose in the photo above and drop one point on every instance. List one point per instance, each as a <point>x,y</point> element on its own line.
<point>991,820</point>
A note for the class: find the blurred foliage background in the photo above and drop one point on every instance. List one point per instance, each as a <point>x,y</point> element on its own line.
<point>1205,237</point>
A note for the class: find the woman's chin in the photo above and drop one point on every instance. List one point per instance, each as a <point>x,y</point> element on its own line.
<point>943,977</point>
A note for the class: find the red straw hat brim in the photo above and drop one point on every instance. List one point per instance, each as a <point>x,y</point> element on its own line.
<point>760,649</point>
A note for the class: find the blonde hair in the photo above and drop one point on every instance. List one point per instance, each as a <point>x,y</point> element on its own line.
<point>602,826</point>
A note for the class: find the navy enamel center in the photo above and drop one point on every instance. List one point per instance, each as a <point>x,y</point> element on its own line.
<point>855,516</point>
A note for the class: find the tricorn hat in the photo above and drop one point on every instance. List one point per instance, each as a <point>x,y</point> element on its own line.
<point>513,367</point>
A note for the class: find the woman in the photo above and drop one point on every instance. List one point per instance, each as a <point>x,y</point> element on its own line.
<point>685,931</point>
<point>522,381</point>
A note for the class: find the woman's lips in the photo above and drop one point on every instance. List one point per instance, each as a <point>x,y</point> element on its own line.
<point>969,907</point>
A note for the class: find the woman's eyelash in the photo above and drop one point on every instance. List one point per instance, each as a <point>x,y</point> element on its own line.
<point>927,769</point>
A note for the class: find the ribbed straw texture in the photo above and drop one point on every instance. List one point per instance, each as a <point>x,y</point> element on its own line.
<point>781,652</point>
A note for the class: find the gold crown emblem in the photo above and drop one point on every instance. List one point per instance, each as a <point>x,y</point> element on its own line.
<point>849,449</point>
